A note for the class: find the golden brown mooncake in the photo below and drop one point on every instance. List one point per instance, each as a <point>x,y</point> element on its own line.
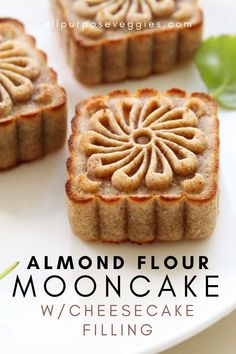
<point>112,40</point>
<point>32,105</point>
<point>143,167</point>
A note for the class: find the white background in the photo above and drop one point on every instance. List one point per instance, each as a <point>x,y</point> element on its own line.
<point>33,219</point>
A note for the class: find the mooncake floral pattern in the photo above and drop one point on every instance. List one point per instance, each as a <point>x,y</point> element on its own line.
<point>129,10</point>
<point>144,142</point>
<point>17,73</point>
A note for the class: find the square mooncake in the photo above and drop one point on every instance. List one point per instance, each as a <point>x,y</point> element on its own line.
<point>143,167</point>
<point>112,40</point>
<point>32,105</point>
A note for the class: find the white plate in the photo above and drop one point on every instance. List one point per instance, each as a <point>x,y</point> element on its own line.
<point>33,221</point>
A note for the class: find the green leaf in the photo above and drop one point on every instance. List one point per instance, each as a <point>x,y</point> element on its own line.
<point>216,61</point>
<point>8,270</point>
